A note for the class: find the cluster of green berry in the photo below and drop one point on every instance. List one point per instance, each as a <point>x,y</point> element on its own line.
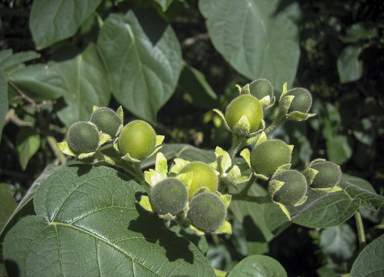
<point>193,194</point>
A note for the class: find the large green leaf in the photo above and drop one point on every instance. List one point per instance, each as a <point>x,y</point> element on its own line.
<point>322,211</point>
<point>144,61</point>
<point>254,38</point>
<point>370,261</point>
<point>54,20</point>
<point>39,81</point>
<point>27,144</point>
<point>3,101</point>
<point>349,67</point>
<point>258,266</point>
<point>87,83</point>
<point>9,61</point>
<point>7,204</point>
<point>89,223</point>
<point>338,149</point>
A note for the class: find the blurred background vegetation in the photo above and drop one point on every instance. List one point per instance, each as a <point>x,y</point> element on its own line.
<point>341,63</point>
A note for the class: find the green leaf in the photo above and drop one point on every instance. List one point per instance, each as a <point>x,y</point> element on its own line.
<point>27,144</point>
<point>8,62</point>
<point>338,149</point>
<point>55,20</point>
<point>338,243</point>
<point>360,31</point>
<point>258,265</point>
<point>86,81</point>
<point>194,83</point>
<point>349,67</point>
<point>89,222</point>
<point>25,206</point>
<point>40,81</point>
<point>164,4</point>
<point>255,39</point>
<point>365,131</point>
<point>3,101</point>
<point>143,57</point>
<point>7,204</point>
<point>322,211</point>
<point>182,151</point>
<point>370,261</point>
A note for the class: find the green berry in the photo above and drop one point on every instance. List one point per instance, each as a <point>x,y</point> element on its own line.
<point>247,105</point>
<point>302,101</point>
<point>169,196</point>
<point>203,176</point>
<point>207,212</point>
<point>83,137</point>
<point>106,121</point>
<point>138,139</point>
<point>261,88</point>
<point>268,155</point>
<point>329,175</point>
<point>294,188</point>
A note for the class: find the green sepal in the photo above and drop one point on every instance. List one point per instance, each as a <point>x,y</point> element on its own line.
<point>281,168</point>
<point>179,164</point>
<point>316,161</point>
<point>161,165</point>
<point>246,155</point>
<point>225,228</point>
<point>242,126</point>
<point>152,177</point>
<point>223,160</point>
<point>262,138</point>
<point>310,174</point>
<point>285,103</point>
<point>274,186</point>
<point>301,201</point>
<point>234,177</point>
<point>196,231</point>
<point>220,273</point>
<point>120,113</point>
<point>253,139</point>
<point>146,203</point>
<point>285,90</point>
<point>128,158</point>
<point>245,90</point>
<point>64,147</point>
<point>239,88</point>
<point>223,119</point>
<point>159,140</point>
<point>85,155</point>
<point>167,216</point>
<point>284,209</point>
<point>201,190</point>
<point>299,116</point>
<point>325,191</point>
<point>104,138</point>
<point>261,128</point>
<point>226,198</point>
<point>266,102</point>
<point>186,178</point>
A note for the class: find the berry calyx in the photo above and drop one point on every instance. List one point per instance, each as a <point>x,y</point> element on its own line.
<point>293,190</point>
<point>203,176</point>
<point>268,155</point>
<point>138,139</point>
<point>247,105</point>
<point>106,121</point>
<point>169,196</point>
<point>83,137</point>
<point>207,212</point>
<point>329,175</point>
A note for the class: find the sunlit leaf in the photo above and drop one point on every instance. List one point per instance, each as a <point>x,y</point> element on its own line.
<point>258,265</point>
<point>27,144</point>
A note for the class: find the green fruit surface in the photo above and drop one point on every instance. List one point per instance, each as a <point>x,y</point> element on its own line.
<point>106,121</point>
<point>268,155</point>
<point>169,196</point>
<point>207,212</point>
<point>138,139</point>
<point>329,175</point>
<point>261,88</point>
<point>293,190</point>
<point>302,101</point>
<point>203,176</point>
<point>83,137</point>
<point>247,105</point>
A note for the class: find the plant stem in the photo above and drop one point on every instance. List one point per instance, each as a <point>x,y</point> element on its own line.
<point>360,231</point>
<point>237,143</point>
<point>243,194</point>
<point>280,118</point>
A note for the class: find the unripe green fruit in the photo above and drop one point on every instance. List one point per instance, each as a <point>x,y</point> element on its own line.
<point>247,105</point>
<point>203,176</point>
<point>207,212</point>
<point>302,101</point>
<point>106,121</point>
<point>83,137</point>
<point>293,190</point>
<point>268,155</point>
<point>261,88</point>
<point>138,139</point>
<point>169,196</point>
<point>329,175</point>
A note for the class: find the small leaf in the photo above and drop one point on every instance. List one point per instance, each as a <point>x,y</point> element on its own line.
<point>7,204</point>
<point>27,144</point>
<point>349,67</point>
<point>370,261</point>
<point>9,62</point>
<point>164,4</point>
<point>360,31</point>
<point>145,203</point>
<point>257,265</point>
<point>55,20</point>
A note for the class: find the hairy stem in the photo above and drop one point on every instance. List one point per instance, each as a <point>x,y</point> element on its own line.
<point>237,143</point>
<point>360,231</point>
